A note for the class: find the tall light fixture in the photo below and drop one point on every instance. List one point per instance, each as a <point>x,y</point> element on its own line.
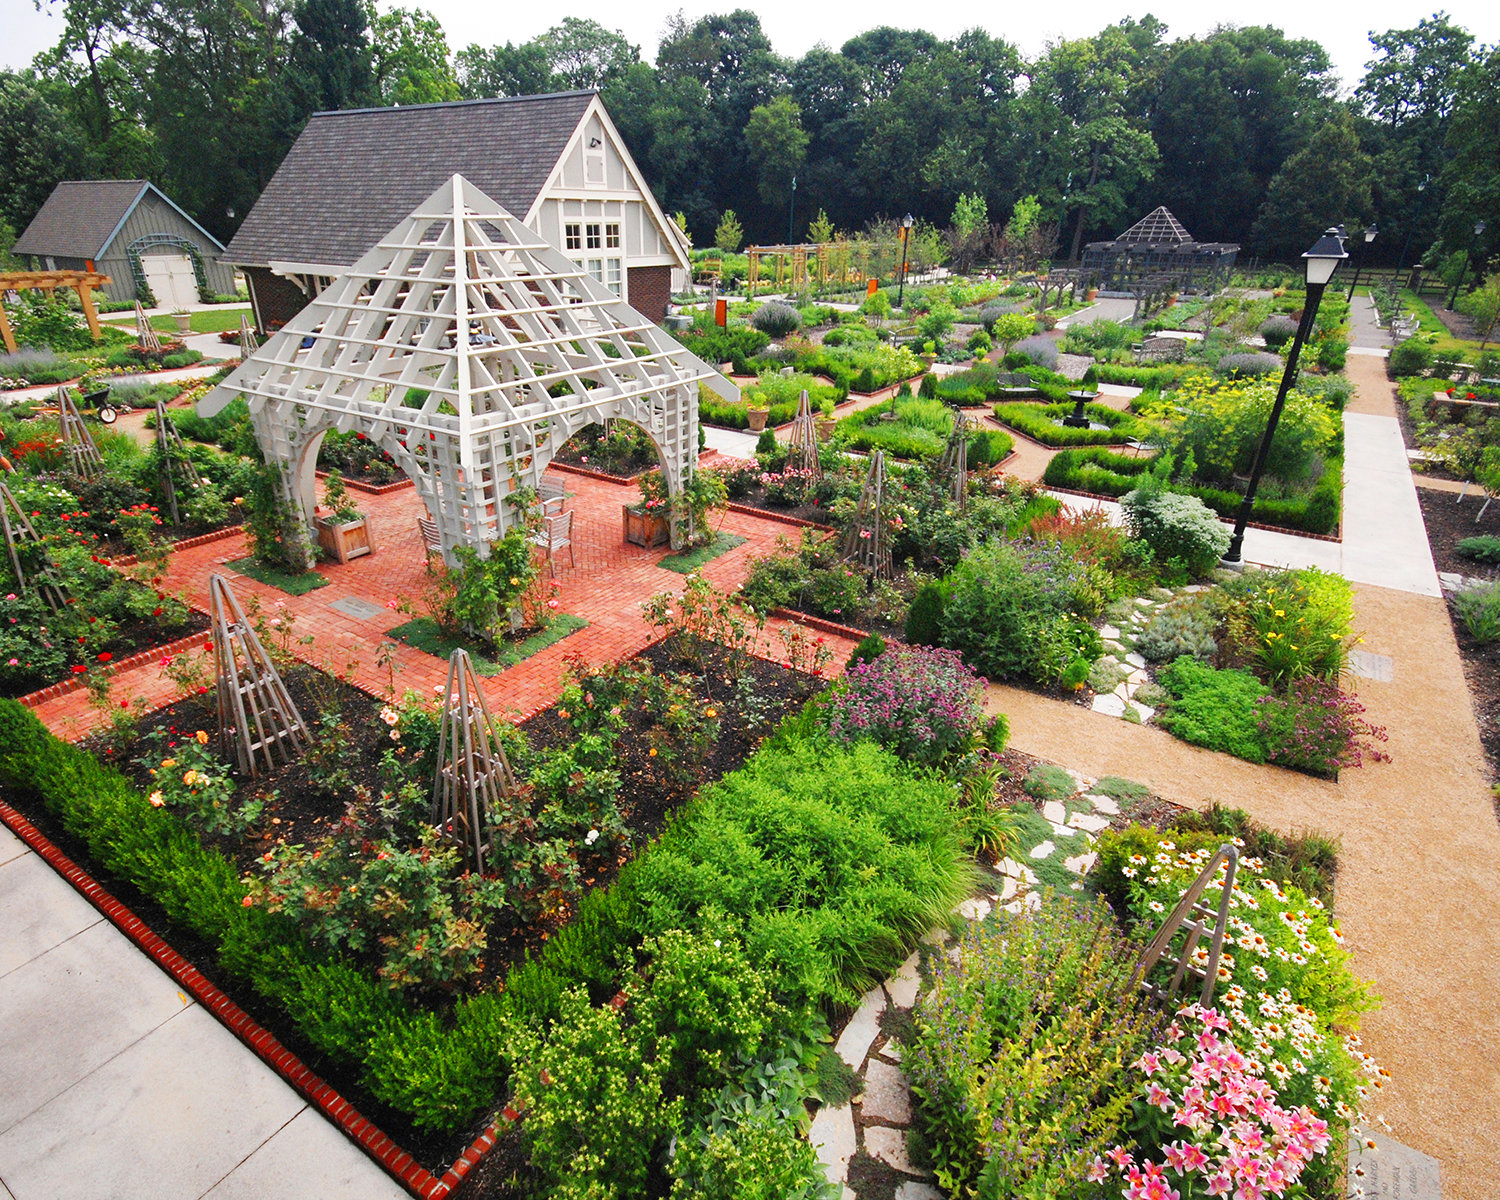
<point>1479,228</point>
<point>1359,263</point>
<point>906,223</point>
<point>1320,263</point>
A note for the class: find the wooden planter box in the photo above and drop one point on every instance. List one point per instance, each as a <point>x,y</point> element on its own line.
<point>643,529</point>
<point>344,542</point>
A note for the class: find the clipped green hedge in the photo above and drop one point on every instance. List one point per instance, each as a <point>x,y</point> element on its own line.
<point>1162,377</point>
<point>1040,423</point>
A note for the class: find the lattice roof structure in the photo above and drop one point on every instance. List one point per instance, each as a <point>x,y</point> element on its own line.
<point>469,349</point>
<point>1158,245</point>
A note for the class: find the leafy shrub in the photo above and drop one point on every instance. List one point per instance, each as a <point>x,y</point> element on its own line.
<point>1222,427</point>
<point>1484,549</point>
<point>776,319</point>
<point>1176,526</point>
<point>1040,350</point>
<point>1249,364</point>
<point>921,703</point>
<point>1277,330</point>
<point>1333,352</point>
<point>1288,624</point>
<point>871,647</point>
<point>1478,607</point>
<point>1411,357</point>
<point>920,430</point>
<point>1186,626</point>
<point>1040,422</point>
<point>1020,1052</point>
<point>1047,782</point>
<point>924,620</point>
<point>1317,727</point>
<point>1217,709</point>
<point>190,778</point>
<point>737,345</point>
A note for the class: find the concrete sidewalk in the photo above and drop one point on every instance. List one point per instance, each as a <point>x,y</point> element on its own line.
<point>116,1084</point>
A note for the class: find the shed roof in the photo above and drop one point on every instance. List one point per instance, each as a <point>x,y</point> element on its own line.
<point>354,174</point>
<point>80,216</point>
<point>1157,226</point>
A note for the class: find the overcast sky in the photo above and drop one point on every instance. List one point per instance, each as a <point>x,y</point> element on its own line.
<point>795,25</point>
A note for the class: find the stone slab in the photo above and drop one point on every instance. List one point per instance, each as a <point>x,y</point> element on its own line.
<point>889,1146</point>
<point>11,847</point>
<point>1008,889</point>
<point>1081,864</point>
<point>166,1119</point>
<point>307,1157</point>
<point>1379,667</point>
<point>887,1095</point>
<point>902,986</point>
<point>1054,811</point>
<point>80,1004</point>
<point>1042,849</point>
<point>38,910</point>
<point>832,1137</point>
<point>353,606</point>
<point>1391,1171</point>
<point>1088,822</point>
<point>914,1189</point>
<point>1109,704</point>
<point>854,1042</point>
<point>1103,804</point>
<point>974,909</point>
<point>891,1050</point>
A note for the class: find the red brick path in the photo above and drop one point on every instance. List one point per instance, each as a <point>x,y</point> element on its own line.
<point>607,588</point>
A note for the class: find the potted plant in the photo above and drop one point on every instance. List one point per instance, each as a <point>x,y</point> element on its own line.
<point>345,531</point>
<point>825,422</point>
<point>756,412</point>
<point>184,320</point>
<point>649,522</point>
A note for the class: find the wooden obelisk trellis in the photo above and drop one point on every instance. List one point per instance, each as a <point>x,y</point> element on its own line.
<point>248,344</point>
<point>804,438</point>
<point>474,778</point>
<point>258,720</point>
<point>956,459</point>
<point>21,536</point>
<point>1191,914</point>
<point>174,461</point>
<point>82,452</point>
<point>145,335</point>
<point>867,542</point>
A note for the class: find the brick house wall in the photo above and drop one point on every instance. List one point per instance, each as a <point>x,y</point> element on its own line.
<point>650,289</point>
<point>274,299</point>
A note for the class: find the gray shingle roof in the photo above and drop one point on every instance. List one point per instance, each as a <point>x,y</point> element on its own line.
<point>353,175</point>
<point>79,216</point>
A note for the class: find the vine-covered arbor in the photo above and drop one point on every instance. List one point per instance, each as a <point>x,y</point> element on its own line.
<point>469,349</point>
<point>1158,246</point>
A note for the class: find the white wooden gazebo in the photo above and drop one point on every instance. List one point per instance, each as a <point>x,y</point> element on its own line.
<point>469,349</point>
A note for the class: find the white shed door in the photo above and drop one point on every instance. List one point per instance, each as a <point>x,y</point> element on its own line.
<point>170,277</point>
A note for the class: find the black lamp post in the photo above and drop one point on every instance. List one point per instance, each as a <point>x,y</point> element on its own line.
<point>1320,263</point>
<point>1479,228</point>
<point>905,242</point>
<point>791,212</point>
<point>1359,263</point>
<point>1412,228</point>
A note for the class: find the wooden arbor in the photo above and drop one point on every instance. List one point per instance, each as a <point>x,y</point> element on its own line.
<point>867,540</point>
<point>804,438</point>
<point>258,720</point>
<point>84,282</point>
<point>473,777</point>
<point>1190,914</point>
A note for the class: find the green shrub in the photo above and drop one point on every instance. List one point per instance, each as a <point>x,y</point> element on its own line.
<point>1316,726</point>
<point>1286,625</point>
<point>921,703</point>
<point>1484,549</point>
<point>987,447</point>
<point>1411,357</point>
<point>1277,330</point>
<point>869,649</point>
<point>1176,526</point>
<point>1047,782</point>
<point>1040,422</point>
<point>1248,364</point>
<point>1478,607</point>
<point>1333,352</point>
<point>1219,710</point>
<point>1184,626</point>
<point>924,620</point>
<point>776,319</point>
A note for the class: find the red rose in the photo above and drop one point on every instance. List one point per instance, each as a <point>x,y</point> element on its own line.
<point>79,670</point>
<point>105,656</point>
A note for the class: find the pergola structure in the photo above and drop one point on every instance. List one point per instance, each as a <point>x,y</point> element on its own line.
<point>469,349</point>
<point>84,282</point>
<point>1158,245</point>
<point>794,267</point>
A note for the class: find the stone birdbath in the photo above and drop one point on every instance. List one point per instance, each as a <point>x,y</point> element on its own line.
<point>1077,419</point>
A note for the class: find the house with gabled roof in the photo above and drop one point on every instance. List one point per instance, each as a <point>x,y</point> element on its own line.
<point>131,231</point>
<point>556,162</point>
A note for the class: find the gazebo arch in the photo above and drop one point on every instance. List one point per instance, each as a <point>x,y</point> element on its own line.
<point>470,349</point>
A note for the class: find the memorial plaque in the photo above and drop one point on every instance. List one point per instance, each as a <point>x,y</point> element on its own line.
<point>1391,1171</point>
<point>353,606</point>
<point>1378,667</point>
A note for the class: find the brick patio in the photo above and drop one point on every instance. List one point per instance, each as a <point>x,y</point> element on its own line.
<point>607,588</point>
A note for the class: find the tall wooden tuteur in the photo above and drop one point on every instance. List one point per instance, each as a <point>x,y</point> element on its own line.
<point>804,438</point>
<point>1191,914</point>
<point>21,537</point>
<point>83,455</point>
<point>248,344</point>
<point>145,335</point>
<point>258,720</point>
<point>956,460</point>
<point>867,541</point>
<point>173,463</point>
<point>473,777</point>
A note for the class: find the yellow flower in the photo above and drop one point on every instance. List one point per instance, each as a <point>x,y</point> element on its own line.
<point>168,763</point>
<point>711,712</point>
<point>1280,613</point>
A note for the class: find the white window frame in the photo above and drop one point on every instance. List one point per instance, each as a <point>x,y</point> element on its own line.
<point>612,235</point>
<point>593,236</point>
<point>573,235</point>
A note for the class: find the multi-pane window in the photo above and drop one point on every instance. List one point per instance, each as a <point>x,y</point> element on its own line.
<point>593,239</point>
<point>612,235</point>
<point>573,235</point>
<point>608,271</point>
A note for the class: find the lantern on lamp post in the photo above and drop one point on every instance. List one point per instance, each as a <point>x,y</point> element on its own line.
<point>1479,228</point>
<point>1359,263</point>
<point>906,223</point>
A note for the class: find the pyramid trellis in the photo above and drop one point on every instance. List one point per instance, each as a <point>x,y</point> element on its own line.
<point>956,459</point>
<point>474,778</point>
<point>248,344</point>
<point>258,720</point>
<point>1156,227</point>
<point>174,465</point>
<point>145,336</point>
<point>1190,914</point>
<point>444,345</point>
<point>79,443</point>
<point>21,539</point>
<point>867,541</point>
<point>804,438</point>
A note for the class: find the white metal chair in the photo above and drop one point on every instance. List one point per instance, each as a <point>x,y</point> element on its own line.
<point>431,541</point>
<point>556,532</point>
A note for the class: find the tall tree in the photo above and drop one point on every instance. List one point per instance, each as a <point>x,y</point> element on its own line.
<point>584,54</point>
<point>41,144</point>
<point>410,58</point>
<point>332,53</point>
<point>778,147</point>
<point>1325,183</point>
<point>1471,178</point>
<point>507,70</point>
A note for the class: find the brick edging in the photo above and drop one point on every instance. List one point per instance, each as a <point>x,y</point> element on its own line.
<point>373,489</point>
<point>749,510</point>
<point>187,543</point>
<point>820,624</point>
<point>587,473</point>
<point>378,1145</point>
<point>140,658</point>
<point>1301,533</point>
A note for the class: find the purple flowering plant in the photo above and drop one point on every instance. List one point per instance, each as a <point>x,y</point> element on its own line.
<point>920,702</point>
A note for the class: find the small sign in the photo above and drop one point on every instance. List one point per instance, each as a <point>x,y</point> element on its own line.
<point>721,312</point>
<point>353,606</point>
<point>1390,1171</point>
<point>872,287</point>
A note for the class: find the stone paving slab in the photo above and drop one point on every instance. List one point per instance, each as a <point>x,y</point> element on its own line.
<point>165,1120</point>
<point>854,1042</point>
<point>11,847</point>
<point>80,1004</point>
<point>38,910</point>
<point>1390,1171</point>
<point>322,1162</point>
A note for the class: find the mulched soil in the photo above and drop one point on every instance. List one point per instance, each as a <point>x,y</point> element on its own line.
<point>131,637</point>
<point>811,511</point>
<point>1447,523</point>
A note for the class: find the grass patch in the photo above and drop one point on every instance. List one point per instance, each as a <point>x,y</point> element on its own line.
<point>1047,782</point>
<point>1428,323</point>
<point>1124,792</point>
<point>688,561</point>
<point>283,581</point>
<point>423,634</point>
<point>1040,423</point>
<point>208,320</point>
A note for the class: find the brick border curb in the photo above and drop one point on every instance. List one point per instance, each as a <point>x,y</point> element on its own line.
<point>73,682</point>
<point>749,510</point>
<point>820,624</point>
<point>396,1161</point>
<point>1337,538</point>
<point>587,473</point>
<point>189,543</point>
<point>373,489</point>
